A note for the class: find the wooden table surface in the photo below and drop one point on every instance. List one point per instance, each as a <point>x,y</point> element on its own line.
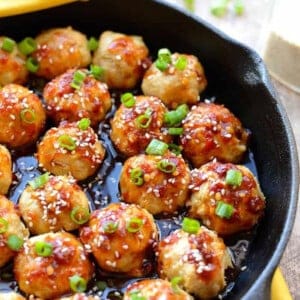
<point>251,28</point>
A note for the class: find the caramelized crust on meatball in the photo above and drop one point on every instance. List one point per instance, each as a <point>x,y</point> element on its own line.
<point>209,187</point>
<point>67,149</point>
<point>128,135</point>
<point>175,86</point>
<point>121,237</point>
<point>153,289</point>
<point>12,66</point>
<point>60,49</point>
<point>7,295</point>
<point>80,296</point>
<point>212,131</point>
<point>162,190</point>
<point>124,59</point>
<point>199,260</point>
<point>22,116</point>
<point>10,224</point>
<point>63,102</point>
<point>5,170</point>
<point>48,276</point>
<point>60,204</point>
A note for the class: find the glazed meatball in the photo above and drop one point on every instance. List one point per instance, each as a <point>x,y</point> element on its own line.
<point>5,170</point>
<point>59,204</point>
<point>60,49</point>
<point>217,187</point>
<point>198,259</point>
<point>156,183</point>
<point>176,86</point>
<point>22,116</point>
<point>123,59</point>
<point>12,65</point>
<point>63,102</point>
<point>48,262</point>
<point>67,149</point>
<point>11,227</point>
<point>9,295</point>
<point>152,289</point>
<point>212,131</point>
<point>80,296</point>
<point>132,128</point>
<point>121,238</point>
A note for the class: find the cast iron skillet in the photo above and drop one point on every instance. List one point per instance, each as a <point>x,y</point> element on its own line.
<point>237,76</point>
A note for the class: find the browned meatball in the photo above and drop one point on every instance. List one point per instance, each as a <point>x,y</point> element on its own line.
<point>198,259</point>
<point>63,102</point>
<point>12,65</point>
<point>164,182</point>
<point>212,131</point>
<point>22,116</point>
<point>59,204</point>
<point>226,197</point>
<point>67,149</point>
<point>121,237</point>
<point>80,296</point>
<point>132,135</point>
<point>5,170</point>
<point>123,59</point>
<point>60,49</point>
<point>176,86</point>
<point>9,295</point>
<point>10,227</point>
<point>153,289</point>
<point>47,263</point>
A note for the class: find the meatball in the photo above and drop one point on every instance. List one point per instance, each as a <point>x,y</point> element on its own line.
<point>5,170</point>
<point>9,295</point>
<point>217,187</point>
<point>59,204</point>
<point>152,289</point>
<point>198,259</point>
<point>60,49</point>
<point>123,59</point>
<point>11,227</point>
<point>156,183</point>
<point>48,262</point>
<point>68,149</point>
<point>176,86</point>
<point>12,65</point>
<point>132,128</point>
<point>63,102</point>
<point>121,238</point>
<point>80,296</point>
<point>22,116</point>
<point>212,131</point>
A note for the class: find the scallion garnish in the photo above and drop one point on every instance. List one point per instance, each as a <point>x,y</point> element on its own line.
<point>78,79</point>
<point>190,225</point>
<point>28,115</point>
<point>77,284</point>
<point>175,148</point>
<point>136,295</point>
<point>190,5</point>
<point>80,215</point>
<point>101,285</point>
<point>110,226</point>
<point>39,181</point>
<point>224,210</point>
<point>181,63</point>
<point>3,225</point>
<point>234,177</point>
<point>96,71</point>
<point>134,225</point>
<point>156,147</point>
<point>144,120</point>
<point>8,44</point>
<point>27,45</point>
<point>238,7</point>
<point>128,100</point>
<point>161,65</point>
<point>166,166</point>
<point>84,124</point>
<point>219,8</point>
<point>92,43</point>
<point>43,248</point>
<point>174,117</point>
<point>175,284</point>
<point>175,130</point>
<point>14,242</point>
<point>137,176</point>
<point>164,59</point>
<point>32,65</point>
<point>67,142</point>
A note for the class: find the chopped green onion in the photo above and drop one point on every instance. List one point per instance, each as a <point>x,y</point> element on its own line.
<point>156,147</point>
<point>190,225</point>
<point>96,71</point>
<point>128,100</point>
<point>175,149</point>
<point>3,225</point>
<point>190,5</point>
<point>84,124</point>
<point>136,295</point>
<point>80,215</point>
<point>137,176</point>
<point>181,63</point>
<point>8,45</point>
<point>39,181</point>
<point>14,242</point>
<point>219,8</point>
<point>101,285</point>
<point>32,65</point>
<point>174,117</point>
<point>174,283</point>
<point>27,45</point>
<point>165,55</point>
<point>234,177</point>
<point>77,284</point>
<point>144,120</point>
<point>161,65</point>
<point>27,115</point>
<point>238,7</point>
<point>92,43</point>
<point>134,225</point>
<point>224,210</point>
<point>110,227</point>
<point>78,79</point>
<point>175,130</point>
<point>166,166</point>
<point>43,248</point>
<point>67,142</point>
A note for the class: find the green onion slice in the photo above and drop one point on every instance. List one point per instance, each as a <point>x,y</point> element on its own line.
<point>174,117</point>
<point>101,285</point>
<point>156,147</point>
<point>39,181</point>
<point>161,65</point>
<point>174,284</point>
<point>8,44</point>
<point>27,45</point>
<point>43,248</point>
<point>234,177</point>
<point>238,7</point>
<point>92,43</point>
<point>175,148</point>
<point>3,225</point>
<point>175,130</point>
<point>67,142</point>
<point>137,176</point>
<point>110,226</point>
<point>164,54</point>
<point>14,242</point>
<point>181,63</point>
<point>190,5</point>
<point>144,120</point>
<point>224,210</point>
<point>134,225</point>
<point>190,225</point>
<point>77,284</point>
<point>84,124</point>
<point>96,71</point>
<point>32,65</point>
<point>78,79</point>
<point>128,100</point>
<point>166,166</point>
<point>28,115</point>
<point>219,8</point>
<point>80,215</point>
<point>136,295</point>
